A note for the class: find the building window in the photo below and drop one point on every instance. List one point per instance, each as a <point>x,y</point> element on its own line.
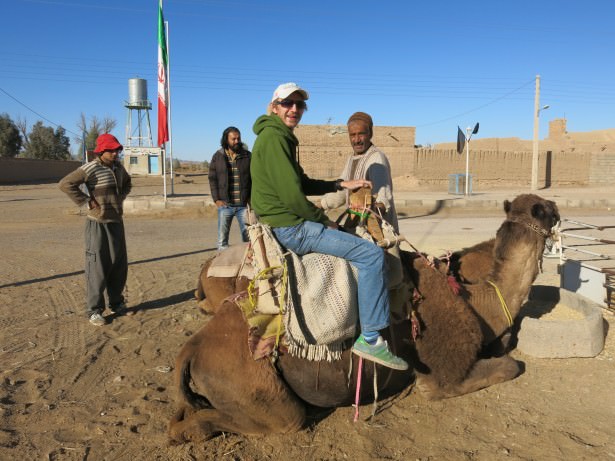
<point>134,160</point>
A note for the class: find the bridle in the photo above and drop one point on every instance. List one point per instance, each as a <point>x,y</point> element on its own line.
<point>533,227</point>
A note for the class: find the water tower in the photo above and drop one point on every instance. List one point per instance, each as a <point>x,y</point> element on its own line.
<point>141,134</point>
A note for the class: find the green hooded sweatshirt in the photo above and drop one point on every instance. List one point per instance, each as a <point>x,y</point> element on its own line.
<point>279,185</point>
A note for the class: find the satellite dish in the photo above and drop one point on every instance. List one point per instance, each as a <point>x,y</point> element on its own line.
<point>475,130</point>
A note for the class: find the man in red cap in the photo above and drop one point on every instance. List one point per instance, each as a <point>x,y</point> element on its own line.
<point>106,261</point>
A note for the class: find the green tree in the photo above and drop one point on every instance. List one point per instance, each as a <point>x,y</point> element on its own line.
<point>45,143</point>
<point>10,138</point>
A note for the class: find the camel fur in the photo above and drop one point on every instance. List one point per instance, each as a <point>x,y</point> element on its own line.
<point>222,389</point>
<point>473,264</point>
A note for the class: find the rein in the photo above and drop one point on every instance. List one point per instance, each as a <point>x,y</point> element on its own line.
<point>539,230</point>
<point>502,303</point>
<point>545,234</point>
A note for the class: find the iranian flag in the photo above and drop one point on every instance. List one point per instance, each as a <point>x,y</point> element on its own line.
<point>163,83</point>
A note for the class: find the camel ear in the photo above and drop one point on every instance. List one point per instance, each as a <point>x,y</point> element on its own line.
<point>553,211</point>
<point>507,206</point>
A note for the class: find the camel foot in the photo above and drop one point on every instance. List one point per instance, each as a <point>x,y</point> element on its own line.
<point>187,425</point>
<point>484,373</point>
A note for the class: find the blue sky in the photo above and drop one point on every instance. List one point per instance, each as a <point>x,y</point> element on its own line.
<point>433,65</point>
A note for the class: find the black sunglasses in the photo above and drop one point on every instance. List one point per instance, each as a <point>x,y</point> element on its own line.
<point>288,103</point>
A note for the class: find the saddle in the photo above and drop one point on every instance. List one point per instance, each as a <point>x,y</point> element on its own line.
<point>363,218</point>
<point>315,295</point>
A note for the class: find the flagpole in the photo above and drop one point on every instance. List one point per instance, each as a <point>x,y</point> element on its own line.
<point>467,158</point>
<point>163,135</point>
<point>164,173</point>
<point>170,142</point>
<point>84,160</point>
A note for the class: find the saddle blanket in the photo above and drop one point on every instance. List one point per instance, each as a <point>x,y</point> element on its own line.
<point>235,261</point>
<point>321,308</point>
<point>321,311</point>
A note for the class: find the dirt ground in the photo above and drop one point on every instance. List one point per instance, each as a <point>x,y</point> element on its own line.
<point>72,391</point>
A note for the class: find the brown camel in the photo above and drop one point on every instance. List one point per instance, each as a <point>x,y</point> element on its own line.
<point>474,264</point>
<point>222,389</point>
<point>517,260</point>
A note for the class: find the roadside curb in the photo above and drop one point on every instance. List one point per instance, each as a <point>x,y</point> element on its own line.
<point>144,203</point>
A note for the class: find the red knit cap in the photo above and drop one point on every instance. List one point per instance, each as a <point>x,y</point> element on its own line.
<point>107,142</point>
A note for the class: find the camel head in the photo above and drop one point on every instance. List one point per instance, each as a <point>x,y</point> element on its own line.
<point>534,211</point>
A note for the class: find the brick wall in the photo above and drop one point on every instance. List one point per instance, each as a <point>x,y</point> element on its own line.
<point>25,170</point>
<point>325,148</point>
<point>493,168</point>
<point>557,128</point>
<point>602,168</point>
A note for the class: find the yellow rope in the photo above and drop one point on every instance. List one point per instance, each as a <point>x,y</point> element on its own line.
<point>282,297</point>
<point>502,303</point>
<point>253,297</point>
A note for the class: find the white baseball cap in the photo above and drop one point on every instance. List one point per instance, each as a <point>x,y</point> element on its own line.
<point>286,89</point>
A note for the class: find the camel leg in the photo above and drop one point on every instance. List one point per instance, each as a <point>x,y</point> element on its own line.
<point>202,425</point>
<point>212,291</point>
<point>223,389</point>
<point>484,373</point>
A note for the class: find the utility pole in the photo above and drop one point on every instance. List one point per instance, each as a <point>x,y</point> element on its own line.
<point>467,181</point>
<point>469,132</point>
<point>535,142</point>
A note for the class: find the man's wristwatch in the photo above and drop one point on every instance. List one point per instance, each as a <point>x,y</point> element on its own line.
<point>338,184</point>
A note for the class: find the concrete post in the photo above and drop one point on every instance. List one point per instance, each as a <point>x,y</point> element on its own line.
<point>535,139</point>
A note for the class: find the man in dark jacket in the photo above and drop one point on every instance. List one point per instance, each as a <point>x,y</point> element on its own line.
<point>106,260</point>
<point>230,184</point>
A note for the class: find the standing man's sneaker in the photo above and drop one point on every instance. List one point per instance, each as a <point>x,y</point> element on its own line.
<point>97,319</point>
<point>379,353</point>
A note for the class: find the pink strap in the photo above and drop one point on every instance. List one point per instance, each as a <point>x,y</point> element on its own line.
<point>358,392</point>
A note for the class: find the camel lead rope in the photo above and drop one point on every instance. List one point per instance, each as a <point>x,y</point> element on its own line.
<point>502,303</point>
<point>375,404</point>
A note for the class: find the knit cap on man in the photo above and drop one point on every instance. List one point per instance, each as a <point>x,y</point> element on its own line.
<point>361,117</point>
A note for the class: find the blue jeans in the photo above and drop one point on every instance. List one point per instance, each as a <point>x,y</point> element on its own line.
<point>365,256</point>
<point>225,216</point>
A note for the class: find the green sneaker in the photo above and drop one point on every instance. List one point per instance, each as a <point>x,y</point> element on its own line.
<point>378,353</point>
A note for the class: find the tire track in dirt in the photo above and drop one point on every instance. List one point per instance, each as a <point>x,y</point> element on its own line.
<point>77,345</point>
<point>24,328</point>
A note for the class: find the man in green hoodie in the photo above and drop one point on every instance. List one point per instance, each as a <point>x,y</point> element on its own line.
<point>279,197</point>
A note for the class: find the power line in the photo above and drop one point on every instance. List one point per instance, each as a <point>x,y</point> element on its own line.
<point>477,108</point>
<point>35,112</point>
